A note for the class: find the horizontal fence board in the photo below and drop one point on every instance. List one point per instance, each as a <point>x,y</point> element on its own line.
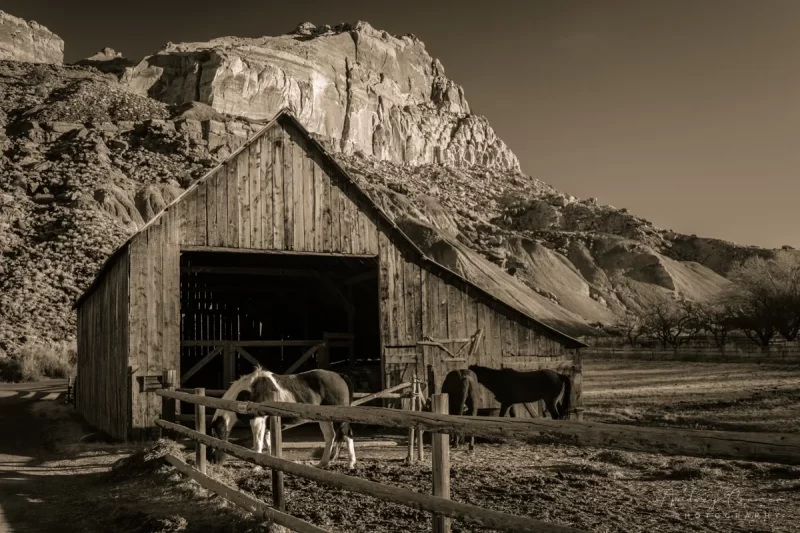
<point>770,447</point>
<point>415,500</point>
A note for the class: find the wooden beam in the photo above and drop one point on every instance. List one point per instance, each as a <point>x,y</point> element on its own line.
<point>424,502</point>
<point>387,393</point>
<point>252,343</point>
<point>303,358</point>
<point>217,249</point>
<point>201,363</point>
<point>246,355</point>
<point>748,446</point>
<point>251,271</point>
<point>248,503</point>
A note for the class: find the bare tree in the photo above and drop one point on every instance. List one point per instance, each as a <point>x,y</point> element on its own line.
<point>717,319</point>
<point>671,322</point>
<point>631,327</point>
<point>765,297</point>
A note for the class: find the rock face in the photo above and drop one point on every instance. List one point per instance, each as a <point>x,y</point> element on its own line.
<point>21,40</point>
<point>357,88</point>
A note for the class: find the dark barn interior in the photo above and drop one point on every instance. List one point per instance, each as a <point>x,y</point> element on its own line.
<point>275,308</point>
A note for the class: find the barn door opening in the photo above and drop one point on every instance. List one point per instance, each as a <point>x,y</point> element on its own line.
<point>285,312</point>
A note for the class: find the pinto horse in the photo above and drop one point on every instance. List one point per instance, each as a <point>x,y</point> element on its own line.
<point>314,387</point>
<point>461,387</point>
<point>511,387</point>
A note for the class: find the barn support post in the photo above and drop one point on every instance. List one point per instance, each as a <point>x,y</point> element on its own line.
<point>276,443</point>
<point>168,381</point>
<point>200,427</point>
<point>417,391</point>
<point>411,404</point>
<point>440,454</point>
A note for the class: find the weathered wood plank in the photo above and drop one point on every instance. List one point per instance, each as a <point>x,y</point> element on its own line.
<point>345,208</point>
<point>256,199</point>
<point>211,209</point>
<point>386,287</point>
<point>235,181</point>
<point>201,238</point>
<point>309,202</point>
<point>267,180</point>
<point>327,209</point>
<point>288,192</point>
<point>155,312</point>
<point>278,193</point>
<point>319,184</point>
<point>298,193</point>
<point>222,202</point>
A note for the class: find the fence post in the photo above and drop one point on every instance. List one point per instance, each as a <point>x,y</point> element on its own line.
<point>412,403</point>
<point>441,464</point>
<point>420,406</point>
<point>168,378</point>
<point>200,427</point>
<point>276,442</point>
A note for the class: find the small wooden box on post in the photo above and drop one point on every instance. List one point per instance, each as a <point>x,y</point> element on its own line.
<point>440,455</point>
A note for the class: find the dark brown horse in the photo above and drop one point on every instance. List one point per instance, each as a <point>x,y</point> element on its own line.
<point>461,387</point>
<point>511,387</point>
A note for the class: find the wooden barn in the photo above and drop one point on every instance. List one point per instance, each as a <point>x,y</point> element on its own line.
<point>277,257</point>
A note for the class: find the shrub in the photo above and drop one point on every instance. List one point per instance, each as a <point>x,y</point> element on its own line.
<point>39,359</point>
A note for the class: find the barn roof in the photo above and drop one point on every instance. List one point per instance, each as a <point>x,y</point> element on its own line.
<point>441,270</point>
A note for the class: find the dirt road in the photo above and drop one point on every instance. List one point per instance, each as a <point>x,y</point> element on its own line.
<point>35,479</point>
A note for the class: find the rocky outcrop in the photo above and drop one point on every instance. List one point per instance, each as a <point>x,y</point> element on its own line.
<point>359,89</point>
<point>21,40</point>
<point>107,60</point>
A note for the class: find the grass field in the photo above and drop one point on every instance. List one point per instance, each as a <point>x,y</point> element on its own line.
<point>598,490</point>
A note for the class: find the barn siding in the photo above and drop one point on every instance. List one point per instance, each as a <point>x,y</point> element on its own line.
<point>279,194</point>
<point>103,352</point>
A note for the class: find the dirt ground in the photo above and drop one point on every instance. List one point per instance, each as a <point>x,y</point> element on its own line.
<point>50,480</point>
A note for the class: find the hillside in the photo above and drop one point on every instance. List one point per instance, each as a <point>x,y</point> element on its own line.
<point>91,152</point>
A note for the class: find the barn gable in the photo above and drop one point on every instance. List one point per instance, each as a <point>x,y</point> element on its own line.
<point>281,193</point>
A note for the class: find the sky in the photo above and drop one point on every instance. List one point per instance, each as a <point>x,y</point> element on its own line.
<point>685,112</point>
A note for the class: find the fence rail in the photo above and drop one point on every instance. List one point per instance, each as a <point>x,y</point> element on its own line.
<point>751,446</point>
<point>439,504</point>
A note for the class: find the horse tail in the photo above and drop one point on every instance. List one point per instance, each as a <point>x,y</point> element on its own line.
<point>465,391</point>
<point>343,429</point>
<point>567,380</point>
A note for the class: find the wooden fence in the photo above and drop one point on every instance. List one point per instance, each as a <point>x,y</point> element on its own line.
<point>439,504</point>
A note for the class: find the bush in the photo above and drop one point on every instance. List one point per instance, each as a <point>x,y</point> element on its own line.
<point>38,359</point>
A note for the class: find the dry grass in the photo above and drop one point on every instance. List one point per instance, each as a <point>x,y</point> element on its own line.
<point>39,359</point>
<point>717,396</point>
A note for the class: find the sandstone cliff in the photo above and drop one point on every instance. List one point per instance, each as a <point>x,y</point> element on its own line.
<point>358,88</point>
<point>21,40</point>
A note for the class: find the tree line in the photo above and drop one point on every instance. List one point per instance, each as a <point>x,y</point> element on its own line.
<point>762,302</point>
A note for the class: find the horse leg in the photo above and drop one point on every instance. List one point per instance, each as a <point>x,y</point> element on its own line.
<point>504,409</point>
<point>351,451</point>
<point>327,432</point>
<point>258,426</point>
<point>550,405</point>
